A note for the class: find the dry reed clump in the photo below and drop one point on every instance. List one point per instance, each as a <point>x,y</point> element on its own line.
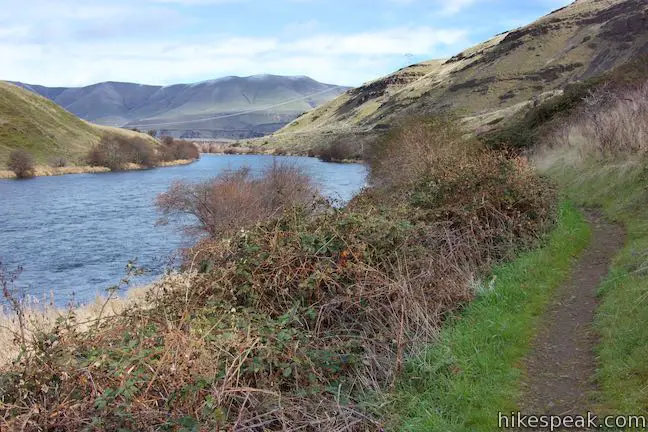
<point>291,322</point>
<point>609,123</point>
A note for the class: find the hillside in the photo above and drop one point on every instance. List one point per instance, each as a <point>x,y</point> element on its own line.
<point>43,128</point>
<point>233,107</point>
<point>490,81</point>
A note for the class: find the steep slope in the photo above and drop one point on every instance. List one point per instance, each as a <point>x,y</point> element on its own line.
<point>232,106</point>
<point>491,80</point>
<point>44,129</point>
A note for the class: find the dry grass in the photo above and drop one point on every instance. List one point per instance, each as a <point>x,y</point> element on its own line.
<point>41,316</point>
<point>610,124</point>
<point>45,170</point>
<point>176,162</point>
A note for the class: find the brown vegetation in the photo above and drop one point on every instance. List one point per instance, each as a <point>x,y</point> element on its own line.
<point>288,324</point>
<point>118,151</point>
<point>339,151</point>
<point>236,200</point>
<point>21,163</point>
<point>609,123</point>
<point>172,149</point>
<point>497,200</point>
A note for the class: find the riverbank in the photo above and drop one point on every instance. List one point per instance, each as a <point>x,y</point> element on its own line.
<point>292,321</point>
<point>41,315</point>
<point>234,149</point>
<point>46,171</point>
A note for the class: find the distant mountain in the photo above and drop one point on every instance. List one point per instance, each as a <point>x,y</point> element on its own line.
<point>230,107</point>
<point>489,82</point>
<point>36,124</point>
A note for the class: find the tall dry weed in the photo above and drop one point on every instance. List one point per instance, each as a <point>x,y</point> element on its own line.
<point>610,123</point>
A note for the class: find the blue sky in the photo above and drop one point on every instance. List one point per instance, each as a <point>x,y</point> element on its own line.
<point>79,42</point>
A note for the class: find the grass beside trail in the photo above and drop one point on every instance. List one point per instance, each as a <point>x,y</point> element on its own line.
<point>461,382</point>
<point>620,189</point>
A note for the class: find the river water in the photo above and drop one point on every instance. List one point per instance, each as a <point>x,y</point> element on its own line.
<point>73,235</point>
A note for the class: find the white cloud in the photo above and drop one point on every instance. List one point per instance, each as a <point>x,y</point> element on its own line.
<point>337,58</point>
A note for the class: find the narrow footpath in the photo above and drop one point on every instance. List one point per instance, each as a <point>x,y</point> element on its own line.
<point>561,366</point>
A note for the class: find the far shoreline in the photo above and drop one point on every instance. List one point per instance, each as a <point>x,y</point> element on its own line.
<point>47,171</point>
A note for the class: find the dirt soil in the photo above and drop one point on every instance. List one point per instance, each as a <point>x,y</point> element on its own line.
<point>562,364</point>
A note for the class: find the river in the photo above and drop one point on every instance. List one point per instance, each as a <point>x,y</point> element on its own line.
<point>73,235</point>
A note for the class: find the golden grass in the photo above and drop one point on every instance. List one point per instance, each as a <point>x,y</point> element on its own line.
<point>41,314</point>
<point>176,162</point>
<point>44,171</point>
<point>47,171</point>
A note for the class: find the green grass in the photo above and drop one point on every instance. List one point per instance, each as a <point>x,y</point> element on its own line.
<point>44,129</point>
<point>622,319</point>
<point>473,371</point>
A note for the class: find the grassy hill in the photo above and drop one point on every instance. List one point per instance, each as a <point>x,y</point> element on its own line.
<point>230,107</point>
<point>488,82</point>
<point>44,129</point>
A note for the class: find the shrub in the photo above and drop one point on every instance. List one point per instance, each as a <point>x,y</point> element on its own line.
<point>21,163</point>
<point>58,162</point>
<point>172,150</point>
<point>340,150</point>
<point>116,151</point>
<point>290,322</point>
<point>236,200</point>
<point>496,202</point>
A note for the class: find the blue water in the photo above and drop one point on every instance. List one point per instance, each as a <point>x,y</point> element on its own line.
<point>74,234</point>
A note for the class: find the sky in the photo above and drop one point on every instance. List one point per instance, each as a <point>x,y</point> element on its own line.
<point>162,42</point>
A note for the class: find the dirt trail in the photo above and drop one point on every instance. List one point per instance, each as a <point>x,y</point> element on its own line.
<point>562,363</point>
